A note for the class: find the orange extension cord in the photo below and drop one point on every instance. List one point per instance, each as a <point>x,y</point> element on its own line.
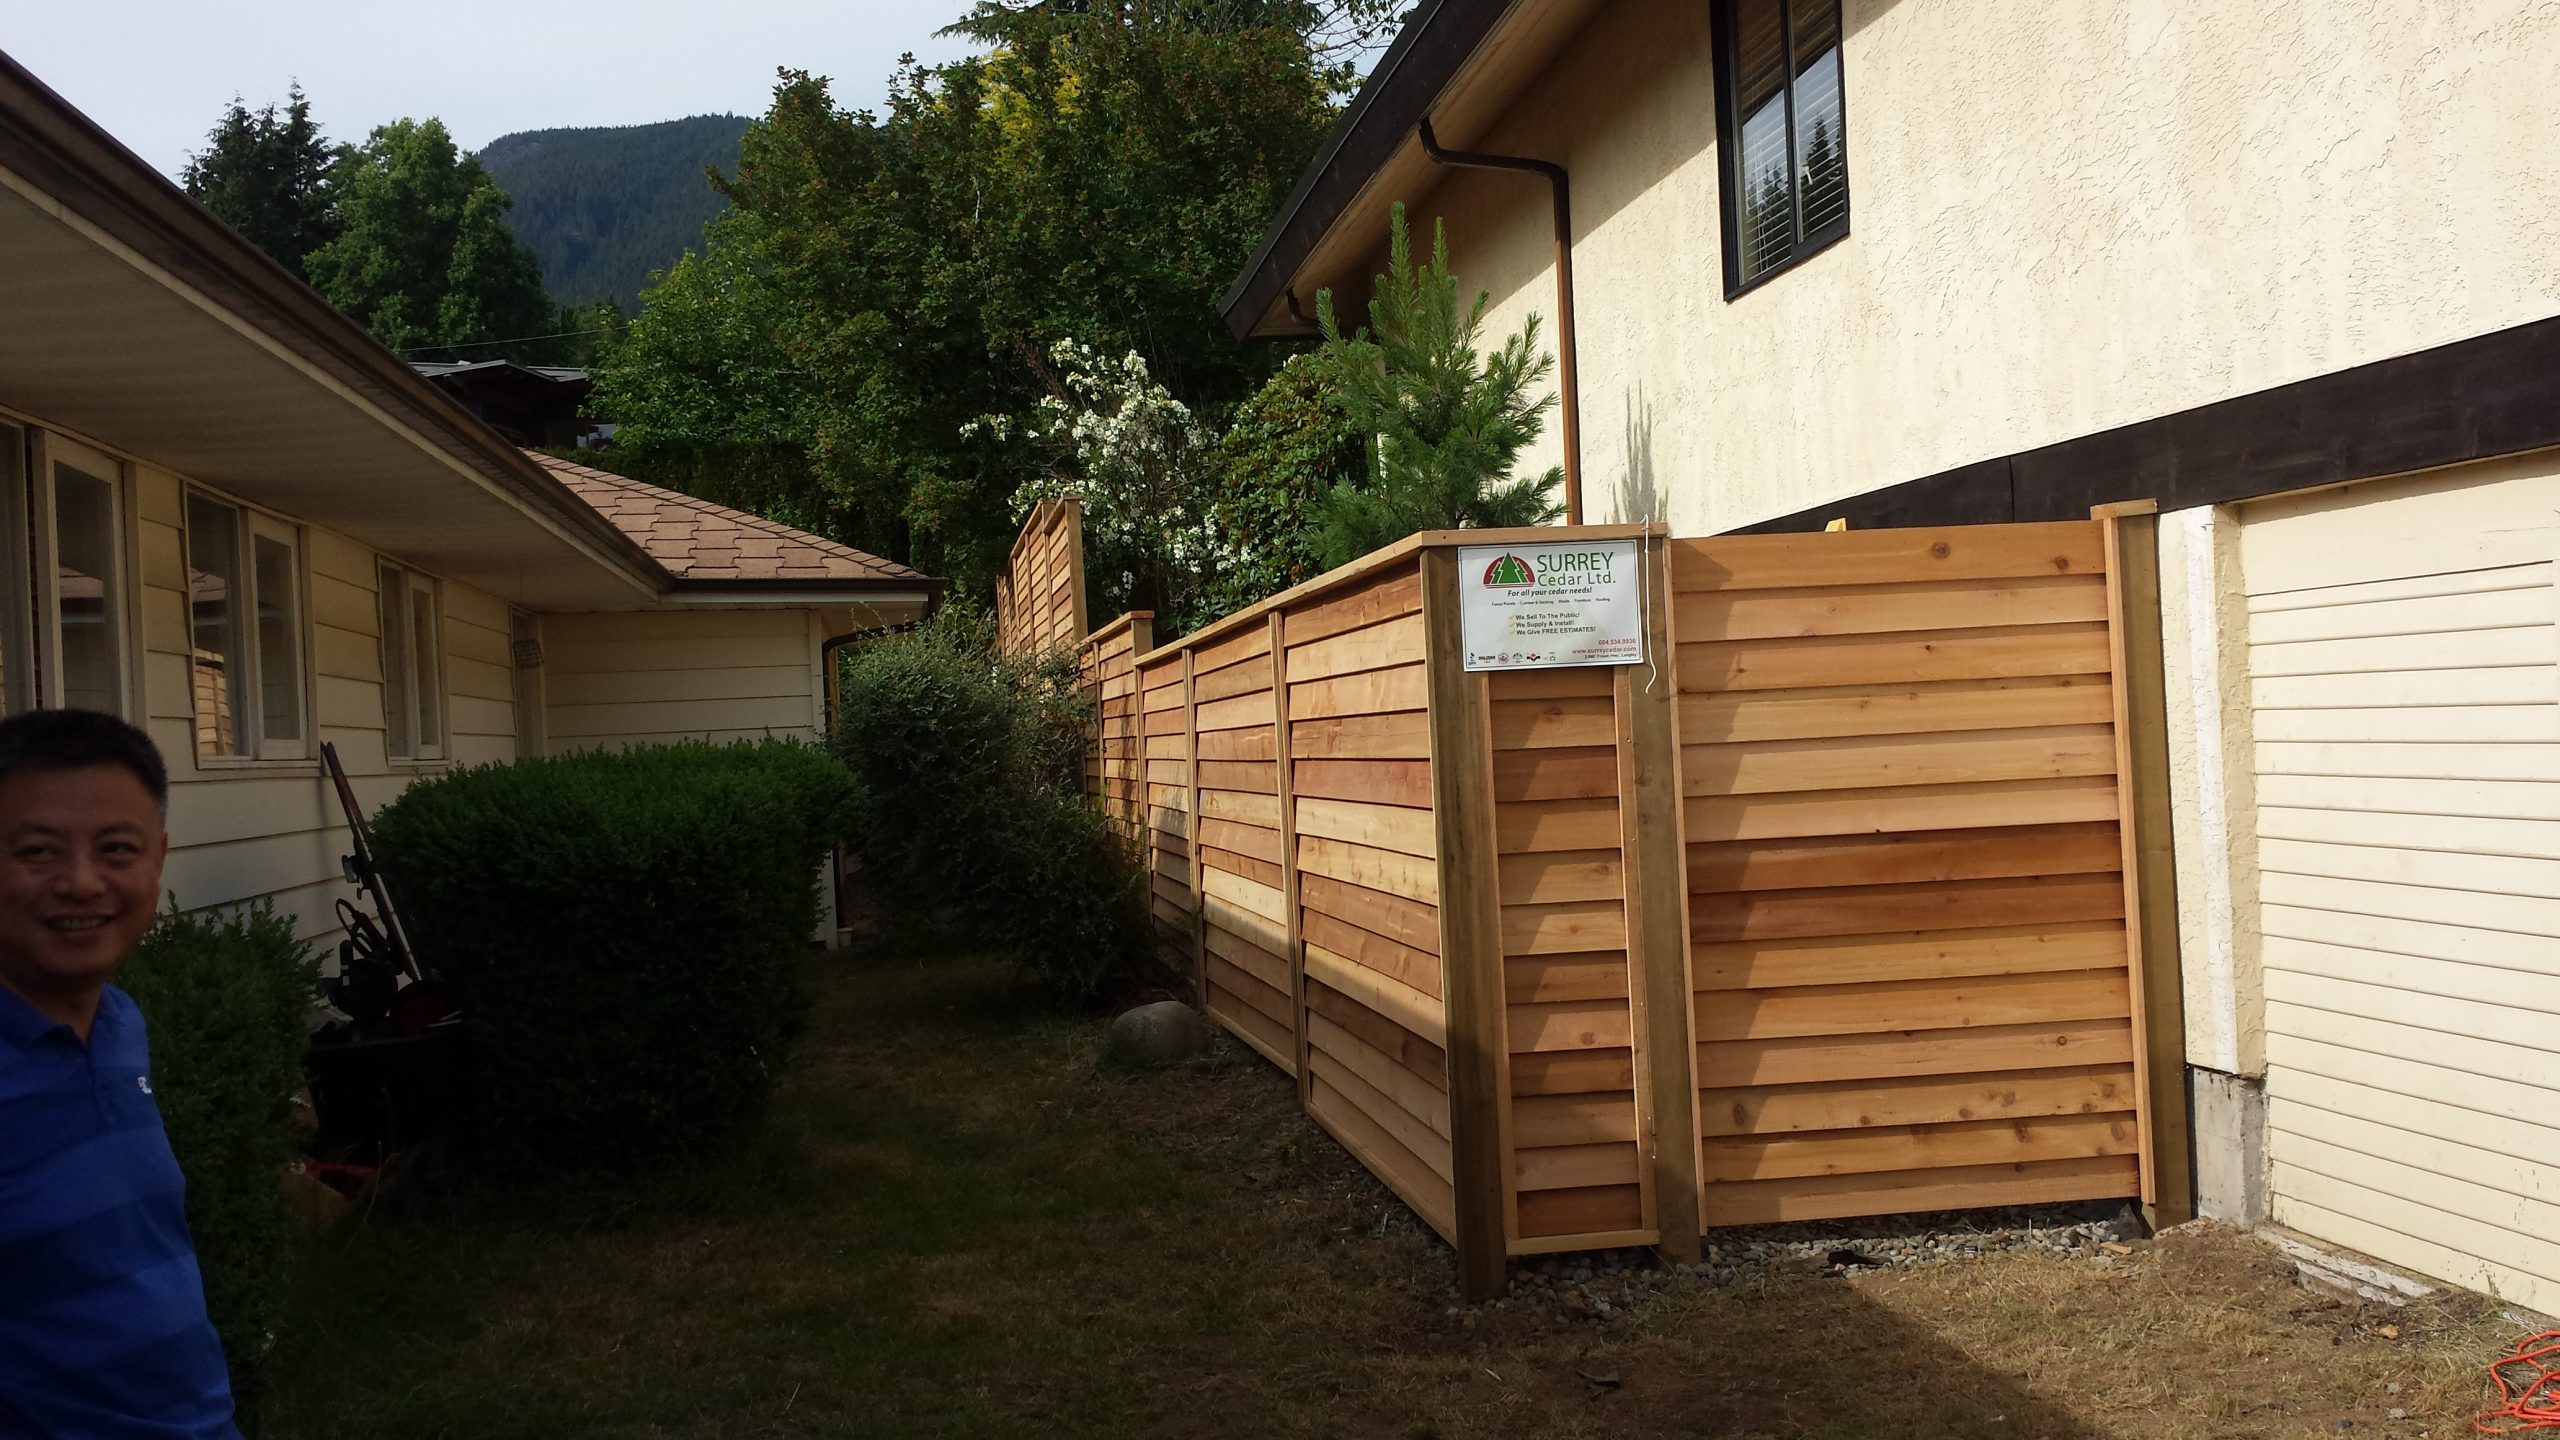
<point>2529,1382</point>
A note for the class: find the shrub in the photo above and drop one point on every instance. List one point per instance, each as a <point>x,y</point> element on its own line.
<point>228,996</point>
<point>973,762</point>
<point>1290,446</point>
<point>622,931</point>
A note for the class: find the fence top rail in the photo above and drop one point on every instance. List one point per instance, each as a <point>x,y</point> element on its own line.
<point>1388,558</point>
<point>1116,626</point>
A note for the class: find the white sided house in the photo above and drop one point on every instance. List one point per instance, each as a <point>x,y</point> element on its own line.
<point>237,521</point>
<point>2290,274</point>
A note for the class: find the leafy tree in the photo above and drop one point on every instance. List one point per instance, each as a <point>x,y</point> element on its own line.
<point>266,174</point>
<point>1450,424</point>
<point>424,258</point>
<point>1098,174</point>
<point>1290,444</point>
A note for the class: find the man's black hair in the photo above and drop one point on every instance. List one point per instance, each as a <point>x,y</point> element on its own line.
<point>77,739</point>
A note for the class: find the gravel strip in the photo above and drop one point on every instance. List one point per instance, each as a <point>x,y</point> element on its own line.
<point>1599,1286</point>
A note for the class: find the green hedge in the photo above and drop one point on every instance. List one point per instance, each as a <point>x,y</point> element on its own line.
<point>622,930</point>
<point>974,765</point>
<point>228,996</point>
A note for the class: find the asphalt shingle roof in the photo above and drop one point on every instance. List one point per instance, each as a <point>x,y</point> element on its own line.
<point>697,540</point>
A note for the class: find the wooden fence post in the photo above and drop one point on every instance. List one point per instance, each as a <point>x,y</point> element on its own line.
<point>1657,896</point>
<point>1470,933</point>
<point>1293,950</point>
<point>1191,779</point>
<point>2150,867</point>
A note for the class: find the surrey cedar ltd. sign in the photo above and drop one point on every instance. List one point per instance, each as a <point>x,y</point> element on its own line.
<point>1528,607</point>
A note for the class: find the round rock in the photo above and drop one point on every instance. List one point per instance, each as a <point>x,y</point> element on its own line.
<point>1164,1033</point>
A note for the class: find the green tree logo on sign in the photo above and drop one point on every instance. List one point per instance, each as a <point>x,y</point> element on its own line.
<point>1509,572</point>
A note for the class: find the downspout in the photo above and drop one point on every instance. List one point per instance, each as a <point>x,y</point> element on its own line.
<point>1571,406</point>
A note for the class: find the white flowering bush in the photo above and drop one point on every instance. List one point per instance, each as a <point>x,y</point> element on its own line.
<point>1143,467</point>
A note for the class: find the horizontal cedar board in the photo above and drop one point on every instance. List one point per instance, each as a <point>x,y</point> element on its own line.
<point>1384,870</point>
<point>1905,858</point>
<point>1253,677</point>
<point>1254,1028</point>
<point>1895,709</point>
<point>1254,840</point>
<point>1935,955</point>
<point>1230,650</point>
<point>1254,742</point>
<point>1259,871</point>
<point>1173,892</point>
<point>1401,919</point>
<point>1559,683</point>
<point>1868,557</point>
<point>1530,826</point>
<point>1417,968</point>
<point>1387,782</point>
<point>1379,1152</point>
<point>1371,647</point>
<point>1837,1197</point>
<point>1387,597</point>
<point>1169,772</point>
<point>1402,735</point>
<point>1539,1120</point>
<point>1924,1100</point>
<point>1867,660</point>
<point>1383,1073</point>
<point>1547,724</point>
<point>1982,1049</point>
<point>1907,1005</point>
<point>1883,909</point>
<point>1229,979</point>
<point>1909,807</point>
<point>1572,1072</point>
<point>1235,713</point>
<point>1563,1167</point>
<point>1258,777</point>
<point>1570,1025</point>
<point>1167,723</point>
<point>1248,955</point>
<point>1388,827</point>
<point>1920,1147</point>
<point>1591,1210</point>
<point>1413,1052</point>
<point>1378,692</point>
<point>1243,809</point>
<point>1543,979</point>
<point>1251,896</point>
<point>1234,918</point>
<point>1761,767</point>
<point>1161,697</point>
<point>1538,877</point>
<point>1411,1009</point>
<point>1582,773</point>
<point>1876,609</point>
<point>1426,1144</point>
<point>1564,928</point>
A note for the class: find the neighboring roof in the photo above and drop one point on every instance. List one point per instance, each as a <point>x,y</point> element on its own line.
<point>1456,62</point>
<point>443,369</point>
<point>702,543</point>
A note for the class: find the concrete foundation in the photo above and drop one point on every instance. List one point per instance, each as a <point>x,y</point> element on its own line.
<point>2230,1126</point>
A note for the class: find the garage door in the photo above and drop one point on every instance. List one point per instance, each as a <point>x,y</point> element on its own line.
<point>2405,684</point>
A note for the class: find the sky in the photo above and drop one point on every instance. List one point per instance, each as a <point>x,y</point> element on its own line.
<point>158,73</point>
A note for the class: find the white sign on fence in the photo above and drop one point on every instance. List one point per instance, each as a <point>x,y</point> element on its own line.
<point>1529,607</point>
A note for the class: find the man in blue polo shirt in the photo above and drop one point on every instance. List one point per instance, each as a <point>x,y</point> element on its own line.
<point>103,1332</point>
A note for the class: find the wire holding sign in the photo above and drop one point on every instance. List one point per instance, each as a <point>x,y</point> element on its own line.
<point>1533,607</point>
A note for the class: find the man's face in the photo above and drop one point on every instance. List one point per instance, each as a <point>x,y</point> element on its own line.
<point>80,858</point>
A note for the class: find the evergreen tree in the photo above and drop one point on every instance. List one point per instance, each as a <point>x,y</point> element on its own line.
<point>424,258</point>
<point>1450,424</point>
<point>266,174</point>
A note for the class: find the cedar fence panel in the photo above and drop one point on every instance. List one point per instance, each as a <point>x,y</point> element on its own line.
<point>1040,602</point>
<point>1821,912</point>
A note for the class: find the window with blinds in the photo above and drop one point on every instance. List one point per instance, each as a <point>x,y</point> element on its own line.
<point>1785,147</point>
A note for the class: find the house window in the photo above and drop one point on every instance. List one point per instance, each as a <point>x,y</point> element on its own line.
<point>412,664</point>
<point>17,627</point>
<point>1786,167</point>
<point>80,578</point>
<point>244,620</point>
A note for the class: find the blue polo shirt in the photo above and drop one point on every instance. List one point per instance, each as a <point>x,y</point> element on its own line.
<point>103,1332</point>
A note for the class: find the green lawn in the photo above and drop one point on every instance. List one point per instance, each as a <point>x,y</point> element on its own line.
<point>961,1221</point>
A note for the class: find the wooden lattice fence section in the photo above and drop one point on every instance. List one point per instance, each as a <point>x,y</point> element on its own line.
<point>1822,911</point>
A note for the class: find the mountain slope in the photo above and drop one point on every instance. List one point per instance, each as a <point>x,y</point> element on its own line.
<point>602,207</point>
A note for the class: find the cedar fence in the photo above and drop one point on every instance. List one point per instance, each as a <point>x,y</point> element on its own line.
<point>1843,903</point>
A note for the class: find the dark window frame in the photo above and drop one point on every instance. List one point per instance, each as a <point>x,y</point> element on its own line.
<point>1729,148</point>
